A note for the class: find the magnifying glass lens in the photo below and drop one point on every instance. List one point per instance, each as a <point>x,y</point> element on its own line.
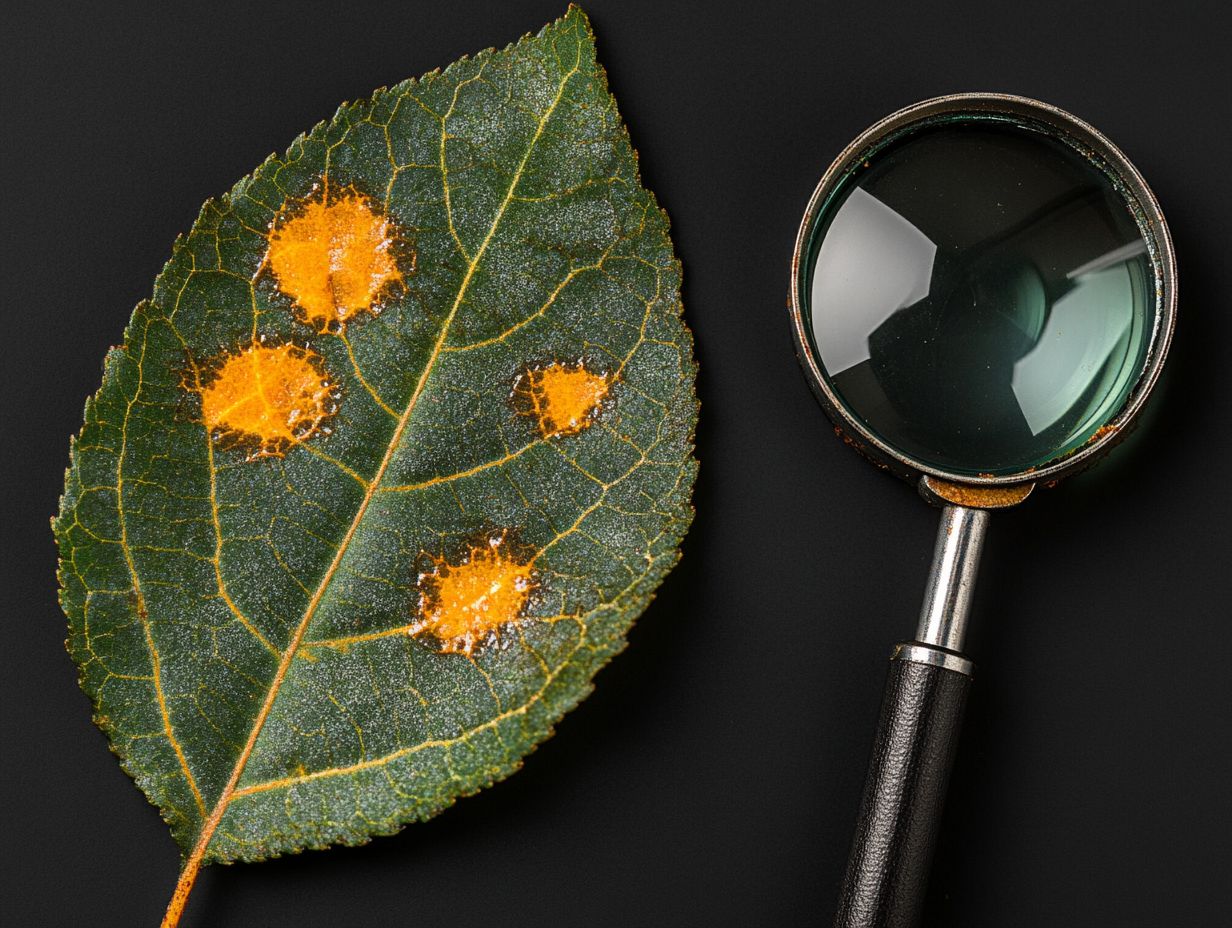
<point>979,295</point>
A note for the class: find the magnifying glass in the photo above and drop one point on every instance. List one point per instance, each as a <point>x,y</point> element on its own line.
<point>983,292</point>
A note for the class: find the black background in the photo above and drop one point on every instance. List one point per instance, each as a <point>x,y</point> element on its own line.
<point>712,778</point>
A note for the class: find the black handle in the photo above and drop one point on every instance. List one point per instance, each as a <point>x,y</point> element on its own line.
<point>892,851</point>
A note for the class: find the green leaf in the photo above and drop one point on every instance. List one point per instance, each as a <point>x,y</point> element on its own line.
<point>389,462</point>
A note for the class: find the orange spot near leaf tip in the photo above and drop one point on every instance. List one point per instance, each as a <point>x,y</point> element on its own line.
<point>462,605</point>
<point>562,398</point>
<point>335,259</point>
<point>268,396</point>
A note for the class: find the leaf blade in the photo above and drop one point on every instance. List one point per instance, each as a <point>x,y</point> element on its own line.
<point>263,624</point>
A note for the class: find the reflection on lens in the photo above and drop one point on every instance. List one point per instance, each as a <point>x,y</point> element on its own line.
<point>979,296</point>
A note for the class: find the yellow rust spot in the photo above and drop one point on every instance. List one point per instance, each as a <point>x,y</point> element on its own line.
<point>978,497</point>
<point>1102,431</point>
<point>267,396</point>
<point>462,605</point>
<point>334,258</point>
<point>563,399</point>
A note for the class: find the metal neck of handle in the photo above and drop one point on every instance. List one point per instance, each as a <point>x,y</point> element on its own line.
<point>951,580</point>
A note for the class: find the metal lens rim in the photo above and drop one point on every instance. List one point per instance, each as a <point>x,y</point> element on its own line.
<point>1100,152</point>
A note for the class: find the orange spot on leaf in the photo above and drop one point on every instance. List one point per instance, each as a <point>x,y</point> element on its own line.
<point>462,605</point>
<point>335,259</point>
<point>268,396</point>
<point>563,399</point>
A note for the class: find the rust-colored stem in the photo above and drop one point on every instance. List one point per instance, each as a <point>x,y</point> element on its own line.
<point>179,898</point>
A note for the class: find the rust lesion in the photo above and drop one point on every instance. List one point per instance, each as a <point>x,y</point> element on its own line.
<point>266,398</point>
<point>336,255</point>
<point>562,399</point>
<point>468,602</point>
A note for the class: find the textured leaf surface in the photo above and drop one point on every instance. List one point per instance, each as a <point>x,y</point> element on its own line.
<point>389,462</point>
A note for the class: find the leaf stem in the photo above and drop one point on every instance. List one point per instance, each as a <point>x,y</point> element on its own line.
<point>179,898</point>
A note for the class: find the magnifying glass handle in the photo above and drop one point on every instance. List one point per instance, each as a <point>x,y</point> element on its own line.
<point>926,692</point>
<point>891,854</point>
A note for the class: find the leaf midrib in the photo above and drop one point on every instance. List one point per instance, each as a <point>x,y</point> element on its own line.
<point>220,807</point>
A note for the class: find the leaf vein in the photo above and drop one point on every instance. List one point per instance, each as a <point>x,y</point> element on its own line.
<point>215,817</point>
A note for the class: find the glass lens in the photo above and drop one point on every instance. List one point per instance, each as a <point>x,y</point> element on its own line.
<point>979,295</point>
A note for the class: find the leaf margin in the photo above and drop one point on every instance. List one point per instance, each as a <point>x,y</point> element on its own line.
<point>647,582</point>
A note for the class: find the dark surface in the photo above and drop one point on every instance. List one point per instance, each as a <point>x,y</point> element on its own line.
<point>713,777</point>
<point>900,812</point>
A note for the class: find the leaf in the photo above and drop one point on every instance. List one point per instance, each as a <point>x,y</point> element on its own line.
<point>387,465</point>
